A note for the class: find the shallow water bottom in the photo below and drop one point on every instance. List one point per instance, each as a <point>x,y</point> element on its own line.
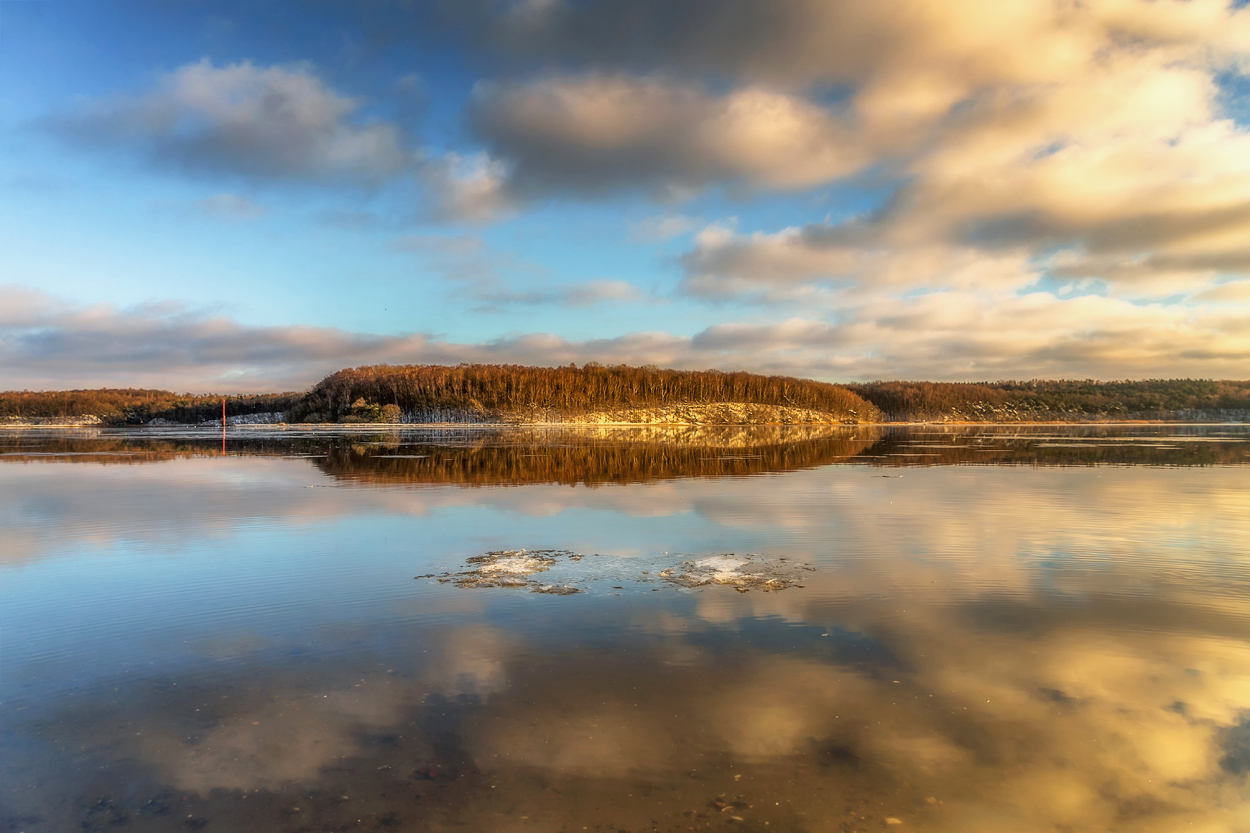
<point>641,733</point>
<point>238,642</point>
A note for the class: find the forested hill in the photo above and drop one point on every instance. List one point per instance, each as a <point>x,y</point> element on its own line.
<point>564,393</point>
<point>512,393</point>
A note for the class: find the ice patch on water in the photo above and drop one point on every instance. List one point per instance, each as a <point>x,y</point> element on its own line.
<point>516,568</point>
<point>513,562</point>
<point>742,572</point>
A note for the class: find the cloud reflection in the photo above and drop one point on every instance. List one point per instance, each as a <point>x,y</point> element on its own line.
<point>1082,665</point>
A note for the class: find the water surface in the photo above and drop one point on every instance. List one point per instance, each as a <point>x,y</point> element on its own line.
<point>1018,628</point>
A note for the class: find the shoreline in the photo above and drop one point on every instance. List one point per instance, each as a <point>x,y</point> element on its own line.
<point>462,426</point>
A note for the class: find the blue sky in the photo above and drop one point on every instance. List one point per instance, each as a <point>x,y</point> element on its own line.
<point>247,195</point>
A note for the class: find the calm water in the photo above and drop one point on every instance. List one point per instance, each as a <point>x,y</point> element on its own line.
<point>1008,629</point>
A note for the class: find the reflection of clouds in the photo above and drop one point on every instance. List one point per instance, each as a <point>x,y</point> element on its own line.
<point>1069,639</point>
<point>50,506</point>
<point>1034,734</point>
<point>957,518</point>
<point>1069,644</point>
<point>46,508</point>
<point>1078,730</point>
<point>609,739</point>
<point>1074,729</point>
<point>471,660</point>
<point>773,710</point>
<point>1005,531</point>
<point>779,706</point>
<point>286,738</point>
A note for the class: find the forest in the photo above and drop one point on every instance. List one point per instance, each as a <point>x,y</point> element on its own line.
<point>393,393</point>
<point>135,406</point>
<point>513,389</point>
<point>1057,400</point>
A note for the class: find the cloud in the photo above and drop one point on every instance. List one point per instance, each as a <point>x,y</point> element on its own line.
<point>48,343</point>
<point>588,135</point>
<point>242,120</point>
<point>926,50</point>
<point>1128,174</point>
<point>1233,291</point>
<point>479,270</point>
<point>662,227</point>
<point>1076,141</point>
<point>855,257</point>
<point>465,260</point>
<point>953,335</point>
<point>589,293</point>
<point>496,298</point>
<point>230,207</point>
<point>971,336</point>
<point>471,189</point>
<point>796,332</point>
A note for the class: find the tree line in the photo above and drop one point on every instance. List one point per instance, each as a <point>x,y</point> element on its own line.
<point>570,390</point>
<point>385,392</point>
<point>1053,399</point>
<point>138,405</point>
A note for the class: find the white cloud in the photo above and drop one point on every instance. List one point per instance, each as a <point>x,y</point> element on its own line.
<point>947,335</point>
<point>261,123</point>
<point>1086,139</point>
<point>1233,291</point>
<point>480,272</point>
<point>662,227</point>
<point>470,189</point>
<point>591,134</point>
<point>590,293</point>
<point>1034,148</point>
<point>855,257</point>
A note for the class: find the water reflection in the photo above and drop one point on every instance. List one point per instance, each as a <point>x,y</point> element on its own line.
<point>208,642</point>
<point>635,454</point>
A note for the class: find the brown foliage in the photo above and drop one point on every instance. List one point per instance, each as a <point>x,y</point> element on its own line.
<point>572,457</point>
<point>591,456</point>
<point>571,390</point>
<point>1047,400</point>
<point>133,405</point>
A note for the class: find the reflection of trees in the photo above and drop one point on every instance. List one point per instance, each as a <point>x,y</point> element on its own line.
<point>1048,446</point>
<point>591,457</point>
<point>626,454</point>
<point>98,450</point>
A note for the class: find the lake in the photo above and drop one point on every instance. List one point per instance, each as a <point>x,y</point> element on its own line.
<point>963,629</point>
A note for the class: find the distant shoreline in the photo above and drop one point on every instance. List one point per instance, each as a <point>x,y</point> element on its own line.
<point>513,395</point>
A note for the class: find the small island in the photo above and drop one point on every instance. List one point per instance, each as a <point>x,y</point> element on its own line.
<point>593,394</point>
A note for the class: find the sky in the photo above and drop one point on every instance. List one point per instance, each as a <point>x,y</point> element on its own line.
<point>245,195</point>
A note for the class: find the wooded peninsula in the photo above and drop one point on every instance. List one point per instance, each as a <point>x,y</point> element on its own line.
<point>593,393</point>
